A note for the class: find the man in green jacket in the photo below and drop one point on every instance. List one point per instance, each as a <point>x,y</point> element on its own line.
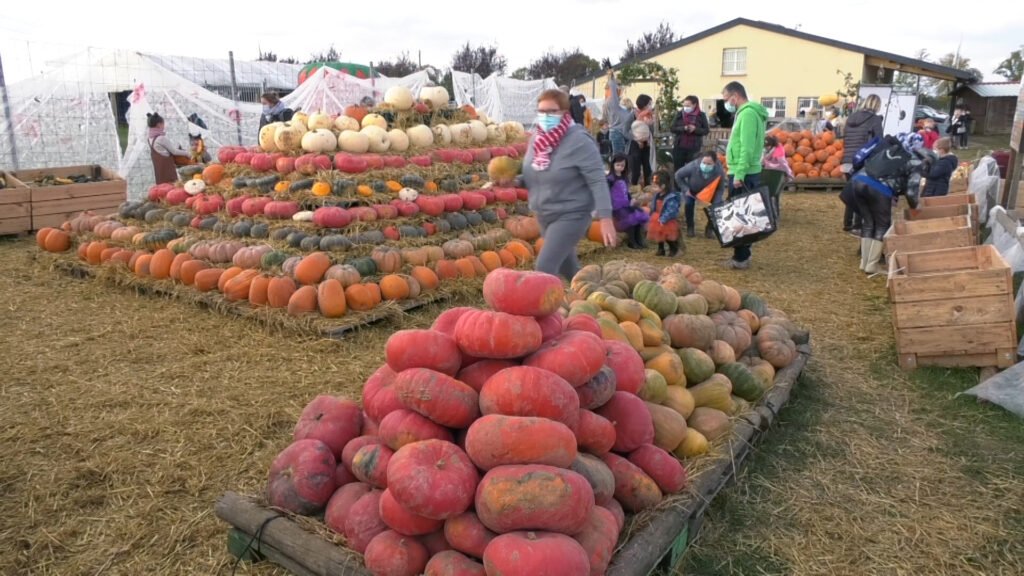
<point>746,143</point>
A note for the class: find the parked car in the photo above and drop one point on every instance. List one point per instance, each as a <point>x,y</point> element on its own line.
<point>922,111</point>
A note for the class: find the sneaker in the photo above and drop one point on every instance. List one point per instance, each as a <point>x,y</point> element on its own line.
<point>690,232</point>
<point>736,264</point>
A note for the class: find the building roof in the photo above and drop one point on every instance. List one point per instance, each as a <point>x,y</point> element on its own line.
<point>996,89</point>
<point>926,68</point>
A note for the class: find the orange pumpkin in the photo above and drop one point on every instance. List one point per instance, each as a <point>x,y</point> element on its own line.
<point>478,266</point>
<point>521,251</point>
<point>330,297</point>
<point>312,268</point>
<point>281,186</point>
<point>804,150</point>
<point>394,287</point>
<point>189,270</point>
<point>141,267</point>
<point>357,113</point>
<point>431,186</point>
<point>821,155</point>
<point>363,297</point>
<point>828,138</point>
<point>177,263</point>
<point>93,252</point>
<point>364,190</point>
<point>237,288</point>
<point>819,144</point>
<point>321,189</point>
<point>388,260</point>
<point>813,173</point>
<point>465,268</point>
<point>426,277</point>
<point>160,265</point>
<point>208,278</point>
<point>491,260</point>
<point>394,186</point>
<point>415,256</point>
<point>790,149</point>
<point>279,291</point>
<point>797,158</point>
<point>108,254</point>
<point>836,173</point>
<point>446,269</point>
<point>56,241</point>
<point>303,301</point>
<point>508,259</point>
<point>213,173</point>
<point>228,275</point>
<point>258,290</point>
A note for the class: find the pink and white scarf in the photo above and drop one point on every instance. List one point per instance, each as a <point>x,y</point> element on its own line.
<point>545,142</point>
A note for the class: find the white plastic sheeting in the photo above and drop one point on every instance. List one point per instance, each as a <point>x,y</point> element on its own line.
<point>217,72</point>
<point>330,91</point>
<point>501,99</point>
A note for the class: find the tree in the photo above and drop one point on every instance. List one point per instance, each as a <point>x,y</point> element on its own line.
<point>667,80</point>
<point>1013,67</point>
<point>330,55</point>
<point>482,60</point>
<point>521,73</point>
<point>400,66</point>
<point>565,66</point>
<point>942,88</point>
<point>271,57</point>
<point>649,42</point>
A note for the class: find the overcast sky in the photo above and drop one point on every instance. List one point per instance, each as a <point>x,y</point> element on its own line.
<point>37,31</point>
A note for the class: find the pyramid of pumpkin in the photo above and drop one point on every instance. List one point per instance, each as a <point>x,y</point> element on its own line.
<point>507,440</point>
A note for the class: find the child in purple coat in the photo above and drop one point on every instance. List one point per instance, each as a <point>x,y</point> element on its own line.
<point>626,213</point>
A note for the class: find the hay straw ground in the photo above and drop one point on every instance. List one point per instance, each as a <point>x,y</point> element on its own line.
<point>125,417</point>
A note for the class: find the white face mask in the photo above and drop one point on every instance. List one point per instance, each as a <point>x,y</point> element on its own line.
<point>687,109</point>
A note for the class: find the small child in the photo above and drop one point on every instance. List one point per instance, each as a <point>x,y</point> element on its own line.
<point>775,156</point>
<point>664,226</point>
<point>627,216</point>
<point>937,180</point>
<point>604,143</point>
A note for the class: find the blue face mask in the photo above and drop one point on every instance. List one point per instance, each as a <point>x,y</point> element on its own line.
<point>687,109</point>
<point>730,107</point>
<point>547,122</point>
<point>706,168</point>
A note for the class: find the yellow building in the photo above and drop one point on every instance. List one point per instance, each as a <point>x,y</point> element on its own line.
<point>784,69</point>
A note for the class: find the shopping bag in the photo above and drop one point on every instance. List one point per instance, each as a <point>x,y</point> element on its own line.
<point>743,219</point>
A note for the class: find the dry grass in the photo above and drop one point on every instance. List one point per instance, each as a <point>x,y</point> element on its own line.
<point>126,416</point>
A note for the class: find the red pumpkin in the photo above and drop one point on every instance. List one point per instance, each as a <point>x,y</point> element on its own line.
<point>430,205</point>
<point>599,539</point>
<point>527,391</point>
<point>255,206</point>
<point>392,554</point>
<point>364,522</point>
<point>495,440</point>
<point>348,453</point>
<point>331,217</point>
<point>403,427</point>
<point>421,161</point>
<point>438,396</point>
<point>423,349</point>
<point>433,478</point>
<point>472,200</point>
<point>452,563</point>
<point>446,321</point>
<point>341,503</point>
<point>598,475</point>
<point>435,542</point>
<point>575,356</point>
<point>331,420</point>
<point>536,554</point>
<point>177,196</point>
<point>497,335</point>
<point>370,464</point>
<point>627,364</point>
<point>662,467</point>
<point>523,293</point>
<point>285,165</point>
<point>552,326</point>
<point>379,395</point>
<point>467,534</point>
<point>203,204</point>
<point>476,374</point>
<point>401,520</point>
<point>634,426</point>
<point>262,162</point>
<point>234,206</point>
<point>634,489</point>
<point>343,476</point>
<point>534,497</point>
<point>350,164</point>
<point>615,508</point>
<point>595,434</point>
<point>598,390</point>
<point>302,477</point>
<point>583,323</point>
<point>280,209</point>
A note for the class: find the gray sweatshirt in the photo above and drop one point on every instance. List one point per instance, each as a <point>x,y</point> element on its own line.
<point>575,180</point>
<point>619,119</point>
<point>690,180</point>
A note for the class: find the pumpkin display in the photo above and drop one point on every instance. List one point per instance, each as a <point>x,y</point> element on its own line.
<point>575,356</point>
<point>497,335</point>
<point>433,478</point>
<point>437,396</point>
<point>775,345</point>
<point>533,497</point>
<point>733,330</point>
<point>532,392</point>
<point>497,440</point>
<point>523,293</point>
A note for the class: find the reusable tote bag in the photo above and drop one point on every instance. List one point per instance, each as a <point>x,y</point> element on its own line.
<point>744,218</point>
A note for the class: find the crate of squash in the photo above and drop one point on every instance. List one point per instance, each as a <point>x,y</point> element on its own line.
<point>57,194</point>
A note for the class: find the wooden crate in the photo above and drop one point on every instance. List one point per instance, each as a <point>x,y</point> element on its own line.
<point>52,205</point>
<point>931,212</point>
<point>953,307</point>
<point>931,234</point>
<point>15,206</point>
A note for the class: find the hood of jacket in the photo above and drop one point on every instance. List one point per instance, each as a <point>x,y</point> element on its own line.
<point>754,107</point>
<point>859,118</point>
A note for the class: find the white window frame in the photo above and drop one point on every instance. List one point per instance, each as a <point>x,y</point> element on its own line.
<point>732,66</point>
<point>772,104</point>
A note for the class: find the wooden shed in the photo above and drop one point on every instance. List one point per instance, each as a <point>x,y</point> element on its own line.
<point>992,105</point>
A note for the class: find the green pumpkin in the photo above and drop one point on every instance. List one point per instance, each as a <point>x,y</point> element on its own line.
<point>365,266</point>
<point>335,243</point>
<point>222,227</point>
<point>584,307</point>
<point>412,181</point>
<point>655,388</point>
<point>273,259</point>
<point>155,215</point>
<point>208,223</point>
<point>181,220</point>
<point>443,226</point>
<point>489,216</point>
<point>379,186</point>
<point>522,209</point>
<point>242,229</point>
<point>656,298</point>
<point>182,247</point>
<point>407,231</point>
<point>295,239</point>
<point>457,221</point>
<point>449,185</point>
<point>342,186</point>
<point>158,238</point>
<point>304,184</point>
<point>744,383</point>
<point>754,303</point>
<point>474,219</point>
<point>692,304</point>
<point>281,234</point>
<point>697,365</point>
<point>259,230</point>
<point>238,183</point>
<point>310,243</point>
<point>370,237</point>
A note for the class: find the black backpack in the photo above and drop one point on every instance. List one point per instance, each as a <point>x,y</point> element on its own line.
<point>888,160</point>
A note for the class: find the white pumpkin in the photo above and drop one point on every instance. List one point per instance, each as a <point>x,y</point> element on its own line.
<point>420,136</point>
<point>267,136</point>
<point>378,138</point>
<point>442,135</point>
<point>399,140</point>
<point>319,120</point>
<point>408,194</point>
<point>288,138</point>
<point>303,216</point>
<point>513,131</point>
<point>194,187</point>
<point>354,142</point>
<point>299,125</point>
<point>342,123</point>
<point>478,130</point>
<point>483,117</point>
<point>319,141</point>
<point>300,118</point>
<point>399,97</point>
<point>375,120</point>
<point>462,134</point>
<point>495,134</point>
<point>436,95</point>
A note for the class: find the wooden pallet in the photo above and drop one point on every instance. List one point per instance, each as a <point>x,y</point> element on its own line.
<point>292,542</point>
<point>816,185</point>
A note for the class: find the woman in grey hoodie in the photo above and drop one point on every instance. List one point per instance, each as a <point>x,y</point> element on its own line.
<point>564,174</point>
<point>620,118</point>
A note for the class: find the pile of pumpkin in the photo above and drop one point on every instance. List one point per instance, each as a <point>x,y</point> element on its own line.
<point>812,155</point>
<point>512,440</point>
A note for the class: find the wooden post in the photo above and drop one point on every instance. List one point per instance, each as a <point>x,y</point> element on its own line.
<point>1016,144</point>
<point>234,95</point>
<point>10,119</point>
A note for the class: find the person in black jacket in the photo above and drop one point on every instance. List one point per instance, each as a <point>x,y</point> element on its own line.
<point>863,125</point>
<point>937,178</point>
<point>274,110</point>
<point>576,108</point>
<point>690,126</point>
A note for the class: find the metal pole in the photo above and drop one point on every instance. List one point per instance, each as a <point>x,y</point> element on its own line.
<point>234,96</point>
<point>373,84</point>
<point>9,117</point>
